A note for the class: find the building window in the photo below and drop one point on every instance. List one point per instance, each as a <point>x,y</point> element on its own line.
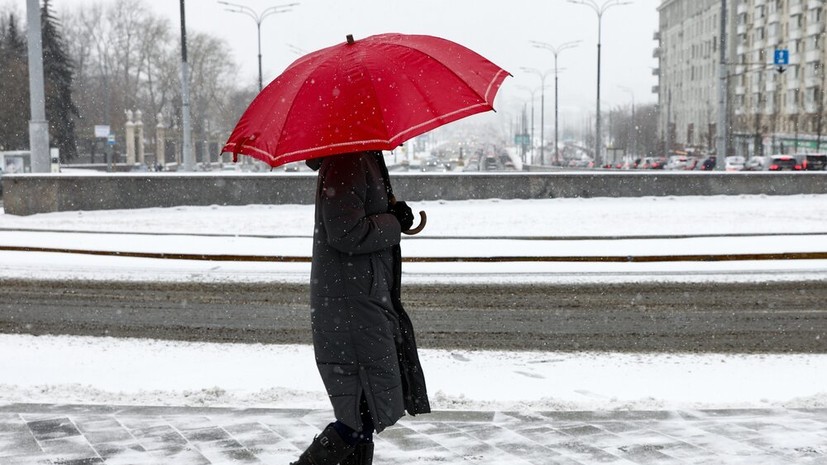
<point>814,16</point>
<point>792,101</point>
<point>792,72</point>
<point>796,22</point>
<point>811,103</point>
<point>795,46</point>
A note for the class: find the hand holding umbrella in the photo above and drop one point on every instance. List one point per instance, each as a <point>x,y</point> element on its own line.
<point>405,216</point>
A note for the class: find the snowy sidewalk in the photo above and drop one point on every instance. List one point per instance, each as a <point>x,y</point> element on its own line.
<point>98,434</point>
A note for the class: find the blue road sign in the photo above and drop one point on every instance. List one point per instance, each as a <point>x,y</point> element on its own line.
<point>782,57</point>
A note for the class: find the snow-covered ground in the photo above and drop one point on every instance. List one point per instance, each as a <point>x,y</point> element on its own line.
<point>134,371</point>
<point>618,227</point>
<point>150,372</point>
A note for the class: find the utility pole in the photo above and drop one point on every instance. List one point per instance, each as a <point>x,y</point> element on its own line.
<point>188,155</point>
<point>721,143</point>
<point>531,91</point>
<point>633,141</point>
<point>38,125</point>
<point>542,75</point>
<point>669,141</point>
<point>820,117</point>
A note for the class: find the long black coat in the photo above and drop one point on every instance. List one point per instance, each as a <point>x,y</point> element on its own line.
<point>363,339</point>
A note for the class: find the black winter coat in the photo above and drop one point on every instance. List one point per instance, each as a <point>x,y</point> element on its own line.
<point>363,339</point>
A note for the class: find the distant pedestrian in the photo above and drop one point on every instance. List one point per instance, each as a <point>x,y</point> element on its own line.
<point>363,339</point>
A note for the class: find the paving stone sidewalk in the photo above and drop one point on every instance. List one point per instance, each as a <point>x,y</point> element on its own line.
<point>84,435</point>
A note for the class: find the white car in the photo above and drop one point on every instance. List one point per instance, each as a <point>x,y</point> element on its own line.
<point>735,163</point>
<point>677,162</point>
<point>756,163</point>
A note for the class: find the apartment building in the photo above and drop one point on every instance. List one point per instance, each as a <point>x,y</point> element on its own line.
<point>771,108</point>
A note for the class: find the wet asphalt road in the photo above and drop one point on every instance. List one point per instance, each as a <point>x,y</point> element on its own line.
<point>664,317</point>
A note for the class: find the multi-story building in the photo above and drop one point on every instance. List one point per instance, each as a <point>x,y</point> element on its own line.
<point>688,60</point>
<point>772,108</point>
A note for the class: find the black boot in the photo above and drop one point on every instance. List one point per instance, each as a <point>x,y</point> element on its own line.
<point>328,448</point>
<point>363,455</point>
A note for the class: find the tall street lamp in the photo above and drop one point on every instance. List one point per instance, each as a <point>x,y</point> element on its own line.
<point>542,76</point>
<point>599,9</point>
<point>634,121</point>
<point>556,51</point>
<point>186,146</point>
<point>258,17</point>
<point>532,92</point>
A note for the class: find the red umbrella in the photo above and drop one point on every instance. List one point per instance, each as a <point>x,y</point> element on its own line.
<point>369,94</point>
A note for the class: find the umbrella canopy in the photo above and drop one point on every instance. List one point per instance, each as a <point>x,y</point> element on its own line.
<point>368,94</point>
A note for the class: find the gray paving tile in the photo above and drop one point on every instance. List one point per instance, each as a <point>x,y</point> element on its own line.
<point>26,460</point>
<point>134,435</point>
<point>69,449</point>
<point>114,449</point>
<point>43,430</point>
<point>16,443</point>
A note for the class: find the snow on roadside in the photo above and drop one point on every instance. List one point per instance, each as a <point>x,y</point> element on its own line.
<point>91,370</point>
<point>493,217</point>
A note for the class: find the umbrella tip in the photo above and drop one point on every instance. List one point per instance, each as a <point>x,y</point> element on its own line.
<point>350,40</point>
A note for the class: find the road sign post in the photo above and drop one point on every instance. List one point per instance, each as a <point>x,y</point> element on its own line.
<point>781,58</point>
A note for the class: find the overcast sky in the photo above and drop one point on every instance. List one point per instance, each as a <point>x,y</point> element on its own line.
<point>497,29</point>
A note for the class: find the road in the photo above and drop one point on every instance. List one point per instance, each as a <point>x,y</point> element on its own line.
<point>665,317</point>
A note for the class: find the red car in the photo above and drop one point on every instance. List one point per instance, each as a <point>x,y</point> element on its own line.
<point>783,163</point>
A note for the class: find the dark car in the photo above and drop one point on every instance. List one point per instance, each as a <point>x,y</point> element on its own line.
<point>491,164</point>
<point>783,163</point>
<point>1,181</point>
<point>708,164</point>
<point>814,162</point>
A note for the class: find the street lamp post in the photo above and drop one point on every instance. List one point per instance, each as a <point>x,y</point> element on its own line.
<point>258,17</point>
<point>556,51</point>
<point>542,76</point>
<point>532,92</point>
<point>634,121</point>
<point>188,155</point>
<point>599,9</point>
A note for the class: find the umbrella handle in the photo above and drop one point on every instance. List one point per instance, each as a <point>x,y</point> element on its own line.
<point>423,218</point>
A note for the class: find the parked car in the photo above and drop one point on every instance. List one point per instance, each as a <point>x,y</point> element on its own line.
<point>708,164</point>
<point>783,163</point>
<point>734,163</point>
<point>813,161</point>
<point>431,164</point>
<point>651,163</point>
<point>757,163</point>
<point>677,162</point>
<point>293,166</point>
<point>1,181</point>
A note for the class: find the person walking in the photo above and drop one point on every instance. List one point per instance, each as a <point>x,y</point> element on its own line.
<point>363,339</point>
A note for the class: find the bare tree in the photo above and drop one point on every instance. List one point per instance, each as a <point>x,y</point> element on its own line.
<point>128,58</point>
